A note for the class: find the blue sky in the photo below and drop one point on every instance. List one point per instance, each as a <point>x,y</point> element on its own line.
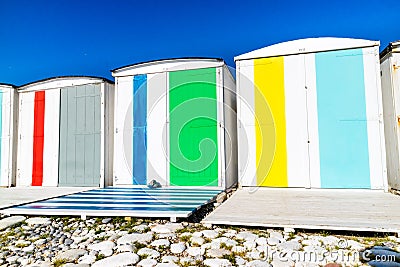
<point>40,39</point>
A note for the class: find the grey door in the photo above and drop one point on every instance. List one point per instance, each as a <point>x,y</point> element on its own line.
<point>79,160</point>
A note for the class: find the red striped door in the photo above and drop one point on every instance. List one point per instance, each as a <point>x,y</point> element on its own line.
<point>38,138</point>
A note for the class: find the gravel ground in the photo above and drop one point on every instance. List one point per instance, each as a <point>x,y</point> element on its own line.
<point>70,241</point>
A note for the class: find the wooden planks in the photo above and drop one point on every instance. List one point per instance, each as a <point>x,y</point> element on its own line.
<point>328,209</point>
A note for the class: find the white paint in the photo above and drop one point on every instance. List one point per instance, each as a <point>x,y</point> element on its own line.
<point>308,45</point>
<point>246,123</point>
<point>7,172</point>
<point>51,137</point>
<point>296,118</point>
<point>123,119</point>
<point>220,127</point>
<point>25,142</point>
<point>312,115</point>
<point>373,100</point>
<point>156,127</point>
<point>167,65</point>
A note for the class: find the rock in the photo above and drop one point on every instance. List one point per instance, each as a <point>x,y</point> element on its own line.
<point>151,253</point>
<point>147,263</point>
<point>87,259</point>
<point>29,249</point>
<point>224,240</point>
<point>272,241</point>
<point>135,237</point>
<point>240,261</point>
<point>196,234</point>
<point>259,263</point>
<point>195,240</point>
<point>10,221</point>
<point>160,243</point>
<point>249,245</point>
<point>230,233</point>
<point>210,234</point>
<point>166,228</point>
<point>22,243</point>
<point>71,255</point>
<point>107,252</point>
<point>247,236</point>
<point>40,242</point>
<point>68,241</point>
<point>354,245</point>
<point>122,259</point>
<point>105,245</point>
<point>217,253</point>
<point>261,241</point>
<point>217,263</point>
<point>141,228</point>
<point>125,248</point>
<point>38,221</point>
<point>330,240</point>
<point>169,259</point>
<point>195,251</point>
<point>290,245</point>
<point>276,235</point>
<point>178,248</point>
<point>288,230</point>
<point>106,220</point>
<point>170,264</point>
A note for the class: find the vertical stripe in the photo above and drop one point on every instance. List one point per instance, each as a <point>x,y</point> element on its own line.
<point>312,115</point>
<point>193,128</point>
<point>271,157</point>
<point>373,100</point>
<point>139,129</point>
<point>296,122</point>
<point>246,130</point>
<point>123,119</point>
<point>1,141</point>
<point>38,138</point>
<point>342,121</point>
<point>156,127</point>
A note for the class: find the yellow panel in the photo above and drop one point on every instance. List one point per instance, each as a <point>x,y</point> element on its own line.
<point>269,94</point>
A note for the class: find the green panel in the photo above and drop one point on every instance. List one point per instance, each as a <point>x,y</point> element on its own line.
<point>193,128</point>
<point>79,161</point>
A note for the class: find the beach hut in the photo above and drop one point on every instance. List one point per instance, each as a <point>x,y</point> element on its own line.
<point>65,132</point>
<point>175,123</point>
<point>8,127</point>
<point>310,115</point>
<point>390,72</point>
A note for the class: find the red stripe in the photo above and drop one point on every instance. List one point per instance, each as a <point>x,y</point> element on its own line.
<point>38,139</point>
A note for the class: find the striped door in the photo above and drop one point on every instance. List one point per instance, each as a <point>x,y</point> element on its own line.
<point>193,128</point>
<point>140,121</point>
<point>80,119</point>
<point>38,129</point>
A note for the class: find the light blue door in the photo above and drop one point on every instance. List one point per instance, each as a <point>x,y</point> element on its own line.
<point>342,123</point>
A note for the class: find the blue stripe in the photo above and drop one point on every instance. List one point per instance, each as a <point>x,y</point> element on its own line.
<point>139,166</point>
<point>342,120</point>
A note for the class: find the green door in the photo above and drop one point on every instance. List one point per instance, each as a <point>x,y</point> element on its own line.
<point>79,160</point>
<point>193,128</point>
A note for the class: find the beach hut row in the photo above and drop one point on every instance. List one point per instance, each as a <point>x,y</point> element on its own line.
<point>309,113</point>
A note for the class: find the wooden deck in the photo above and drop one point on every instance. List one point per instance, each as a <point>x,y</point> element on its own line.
<point>325,209</point>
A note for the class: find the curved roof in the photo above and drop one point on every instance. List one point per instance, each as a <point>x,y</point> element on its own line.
<point>160,65</point>
<point>308,45</point>
<point>61,78</point>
